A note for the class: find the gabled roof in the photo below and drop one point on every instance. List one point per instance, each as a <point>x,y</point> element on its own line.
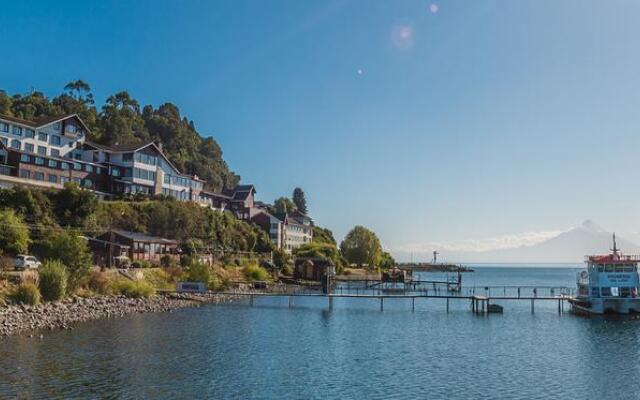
<point>240,192</point>
<point>128,148</point>
<point>141,237</point>
<point>44,121</point>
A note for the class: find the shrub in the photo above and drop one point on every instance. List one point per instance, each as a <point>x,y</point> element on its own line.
<point>136,290</point>
<point>26,293</point>
<point>198,272</point>
<point>53,280</point>
<point>70,248</point>
<point>98,282</point>
<point>255,272</point>
<point>174,273</point>
<point>165,261</point>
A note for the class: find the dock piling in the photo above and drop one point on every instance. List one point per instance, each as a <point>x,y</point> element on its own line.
<point>381,303</point>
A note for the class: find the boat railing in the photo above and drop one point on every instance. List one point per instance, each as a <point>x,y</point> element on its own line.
<point>620,257</point>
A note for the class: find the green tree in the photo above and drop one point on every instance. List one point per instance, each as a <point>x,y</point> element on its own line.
<point>71,249</point>
<point>386,261</point>
<point>283,205</point>
<point>299,200</point>
<point>323,251</point>
<point>361,246</point>
<point>14,233</point>
<point>280,258</point>
<point>323,235</point>
<point>121,121</point>
<point>73,205</point>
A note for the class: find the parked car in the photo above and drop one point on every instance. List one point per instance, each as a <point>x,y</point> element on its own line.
<point>24,261</point>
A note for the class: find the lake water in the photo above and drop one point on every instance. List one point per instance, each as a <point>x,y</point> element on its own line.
<point>354,351</point>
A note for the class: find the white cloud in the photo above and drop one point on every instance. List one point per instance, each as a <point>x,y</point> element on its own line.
<point>524,239</point>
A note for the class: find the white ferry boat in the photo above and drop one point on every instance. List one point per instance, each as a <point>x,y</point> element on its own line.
<point>609,285</point>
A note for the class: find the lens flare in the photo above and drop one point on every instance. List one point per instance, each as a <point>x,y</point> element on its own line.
<point>433,7</point>
<point>402,36</point>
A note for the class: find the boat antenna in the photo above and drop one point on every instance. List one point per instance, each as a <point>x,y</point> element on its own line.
<point>615,247</point>
<point>435,256</point>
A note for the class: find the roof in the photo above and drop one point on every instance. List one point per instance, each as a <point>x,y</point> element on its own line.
<point>133,147</point>
<point>40,122</point>
<point>121,148</point>
<point>141,237</point>
<point>240,192</point>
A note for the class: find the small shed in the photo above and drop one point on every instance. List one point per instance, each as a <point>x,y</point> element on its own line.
<point>396,275</point>
<point>313,269</point>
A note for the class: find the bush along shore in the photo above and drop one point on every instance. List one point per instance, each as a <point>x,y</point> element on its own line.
<point>65,313</point>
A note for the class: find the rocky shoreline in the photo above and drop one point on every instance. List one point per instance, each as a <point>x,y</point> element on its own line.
<point>63,314</point>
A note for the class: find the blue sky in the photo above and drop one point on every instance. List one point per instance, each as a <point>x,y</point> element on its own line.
<point>427,121</point>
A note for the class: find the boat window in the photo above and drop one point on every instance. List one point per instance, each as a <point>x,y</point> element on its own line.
<point>625,292</point>
<point>605,291</point>
<point>600,268</point>
<point>615,292</point>
<point>609,268</point>
<point>619,268</point>
<point>629,268</point>
<point>595,292</point>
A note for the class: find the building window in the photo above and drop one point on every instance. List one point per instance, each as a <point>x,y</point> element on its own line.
<point>53,178</point>
<point>4,127</point>
<point>126,157</point>
<point>87,183</point>
<point>39,176</point>
<point>15,143</point>
<point>115,172</point>
<point>70,128</point>
<point>25,174</point>
<point>17,131</point>
<point>55,140</point>
<point>42,150</point>
<point>39,161</point>
<point>25,158</point>
<point>55,153</point>
<point>4,140</point>
<point>64,179</point>
<point>28,147</point>
<point>98,170</point>
<point>77,180</point>
<point>64,165</point>
<point>30,133</point>
<point>43,136</point>
<point>77,166</point>
<point>88,168</point>
<point>56,126</point>
<point>53,164</point>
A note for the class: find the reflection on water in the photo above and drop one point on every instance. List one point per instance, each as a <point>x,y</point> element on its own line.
<point>353,351</point>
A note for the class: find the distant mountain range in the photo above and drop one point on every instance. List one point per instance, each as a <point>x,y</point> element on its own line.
<point>567,247</point>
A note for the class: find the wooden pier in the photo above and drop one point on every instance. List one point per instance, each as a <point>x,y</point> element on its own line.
<point>479,303</point>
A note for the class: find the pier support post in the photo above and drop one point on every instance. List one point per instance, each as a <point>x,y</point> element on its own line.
<point>447,304</point>
<point>381,303</point>
<point>330,302</point>
<point>251,300</point>
<point>413,304</point>
<point>532,309</point>
<point>290,301</point>
<point>559,306</point>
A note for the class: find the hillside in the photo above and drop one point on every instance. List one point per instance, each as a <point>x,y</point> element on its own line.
<point>121,120</point>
